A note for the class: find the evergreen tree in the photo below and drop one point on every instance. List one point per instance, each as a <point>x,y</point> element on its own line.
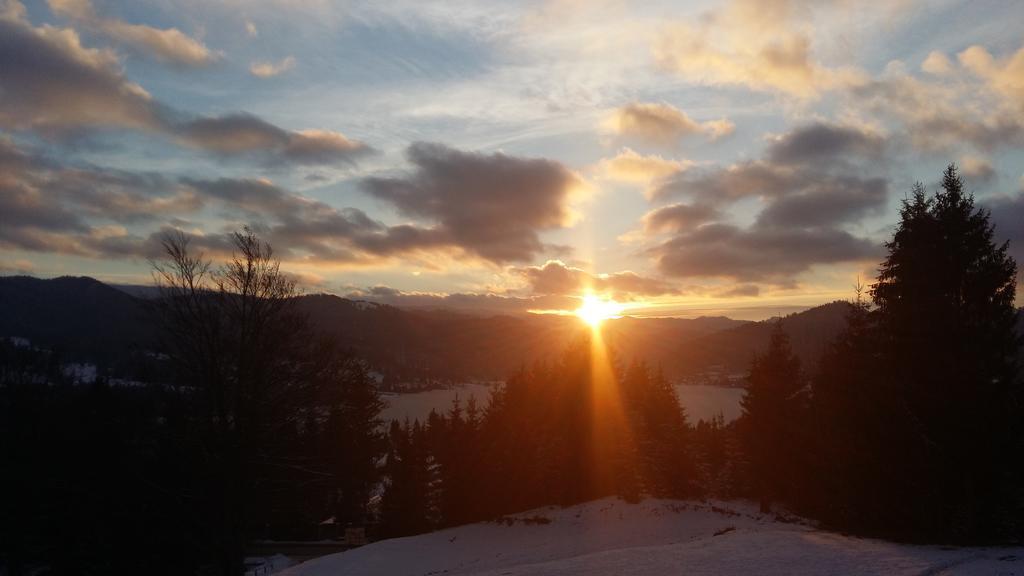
<point>945,315</point>
<point>772,405</point>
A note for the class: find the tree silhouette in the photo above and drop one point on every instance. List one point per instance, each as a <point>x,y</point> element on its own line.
<point>773,403</point>
<point>946,320</point>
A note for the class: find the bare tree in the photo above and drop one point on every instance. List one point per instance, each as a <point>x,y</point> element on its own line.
<point>245,356</point>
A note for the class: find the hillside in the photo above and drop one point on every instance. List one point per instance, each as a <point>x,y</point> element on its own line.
<point>809,331</point>
<point>87,319</point>
<point>449,344</point>
<point>611,537</point>
<point>81,317</point>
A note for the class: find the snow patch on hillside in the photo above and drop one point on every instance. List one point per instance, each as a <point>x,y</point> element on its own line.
<point>609,536</point>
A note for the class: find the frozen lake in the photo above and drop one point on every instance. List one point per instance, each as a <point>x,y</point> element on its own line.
<point>701,402</point>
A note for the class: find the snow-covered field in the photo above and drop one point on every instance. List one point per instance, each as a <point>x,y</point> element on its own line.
<point>611,537</point>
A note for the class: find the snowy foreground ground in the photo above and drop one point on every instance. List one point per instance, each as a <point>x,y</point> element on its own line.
<point>611,537</point>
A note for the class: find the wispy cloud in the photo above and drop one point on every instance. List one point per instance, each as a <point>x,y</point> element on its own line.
<point>266,69</point>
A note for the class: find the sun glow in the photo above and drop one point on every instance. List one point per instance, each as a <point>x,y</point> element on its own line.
<point>596,310</point>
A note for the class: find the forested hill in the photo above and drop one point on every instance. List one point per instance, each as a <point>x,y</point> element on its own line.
<point>458,345</point>
<point>88,320</point>
<point>82,318</point>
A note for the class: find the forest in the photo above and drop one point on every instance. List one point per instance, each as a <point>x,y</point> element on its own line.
<point>910,427</point>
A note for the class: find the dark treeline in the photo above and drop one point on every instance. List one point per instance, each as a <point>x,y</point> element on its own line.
<point>265,430</point>
<point>539,442</point>
<point>909,427</point>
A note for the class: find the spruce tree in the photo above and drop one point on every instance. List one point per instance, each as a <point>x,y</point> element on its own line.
<point>773,403</point>
<point>945,315</point>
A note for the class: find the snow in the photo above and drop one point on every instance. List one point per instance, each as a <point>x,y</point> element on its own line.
<point>80,373</point>
<point>266,565</point>
<point>609,536</point>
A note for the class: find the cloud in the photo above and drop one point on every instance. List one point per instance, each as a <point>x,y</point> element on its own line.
<point>251,30</point>
<point>826,201</point>
<point>1005,76</point>
<point>19,266</point>
<point>751,43</point>
<point>238,134</point>
<point>724,250</point>
<point>679,217</point>
<point>52,83</point>
<point>629,166</point>
<point>824,141</point>
<point>810,184</point>
<point>491,206</point>
<point>802,160</point>
<point>977,169</point>
<point>55,86</point>
<point>555,278</point>
<point>48,207</point>
<point>663,124</point>
<point>266,69</point>
<point>1007,213</point>
<point>939,115</point>
<point>485,303</point>
<point>167,45</point>
<point>740,291</point>
<point>726,185</point>
<point>937,64</point>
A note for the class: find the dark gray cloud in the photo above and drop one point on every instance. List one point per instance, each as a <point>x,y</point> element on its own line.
<point>812,184</point>
<point>829,201</point>
<point>679,217</point>
<point>47,207</point>
<point>51,83</point>
<point>718,186</point>
<point>1008,216</point>
<point>302,228</point>
<point>822,141</point>
<point>757,253</point>
<point>492,206</point>
<point>795,161</point>
<point>56,87</point>
<point>236,134</point>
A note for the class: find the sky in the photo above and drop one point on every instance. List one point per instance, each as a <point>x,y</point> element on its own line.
<point>745,158</point>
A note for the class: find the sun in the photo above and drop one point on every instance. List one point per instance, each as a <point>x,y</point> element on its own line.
<point>596,310</point>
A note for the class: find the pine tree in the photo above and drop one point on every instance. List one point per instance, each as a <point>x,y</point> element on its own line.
<point>945,314</point>
<point>773,403</point>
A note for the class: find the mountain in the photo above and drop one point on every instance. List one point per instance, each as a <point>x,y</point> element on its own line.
<point>732,350</point>
<point>445,344</point>
<point>86,319</point>
<point>82,318</point>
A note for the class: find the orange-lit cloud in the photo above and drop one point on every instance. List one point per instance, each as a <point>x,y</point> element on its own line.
<point>663,124</point>
<point>753,43</point>
<point>267,69</point>
<point>629,166</point>
<point>166,44</point>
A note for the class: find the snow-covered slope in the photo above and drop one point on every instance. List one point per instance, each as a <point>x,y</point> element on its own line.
<point>611,537</point>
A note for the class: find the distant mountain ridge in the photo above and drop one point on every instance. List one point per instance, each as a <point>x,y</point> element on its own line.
<point>87,319</point>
